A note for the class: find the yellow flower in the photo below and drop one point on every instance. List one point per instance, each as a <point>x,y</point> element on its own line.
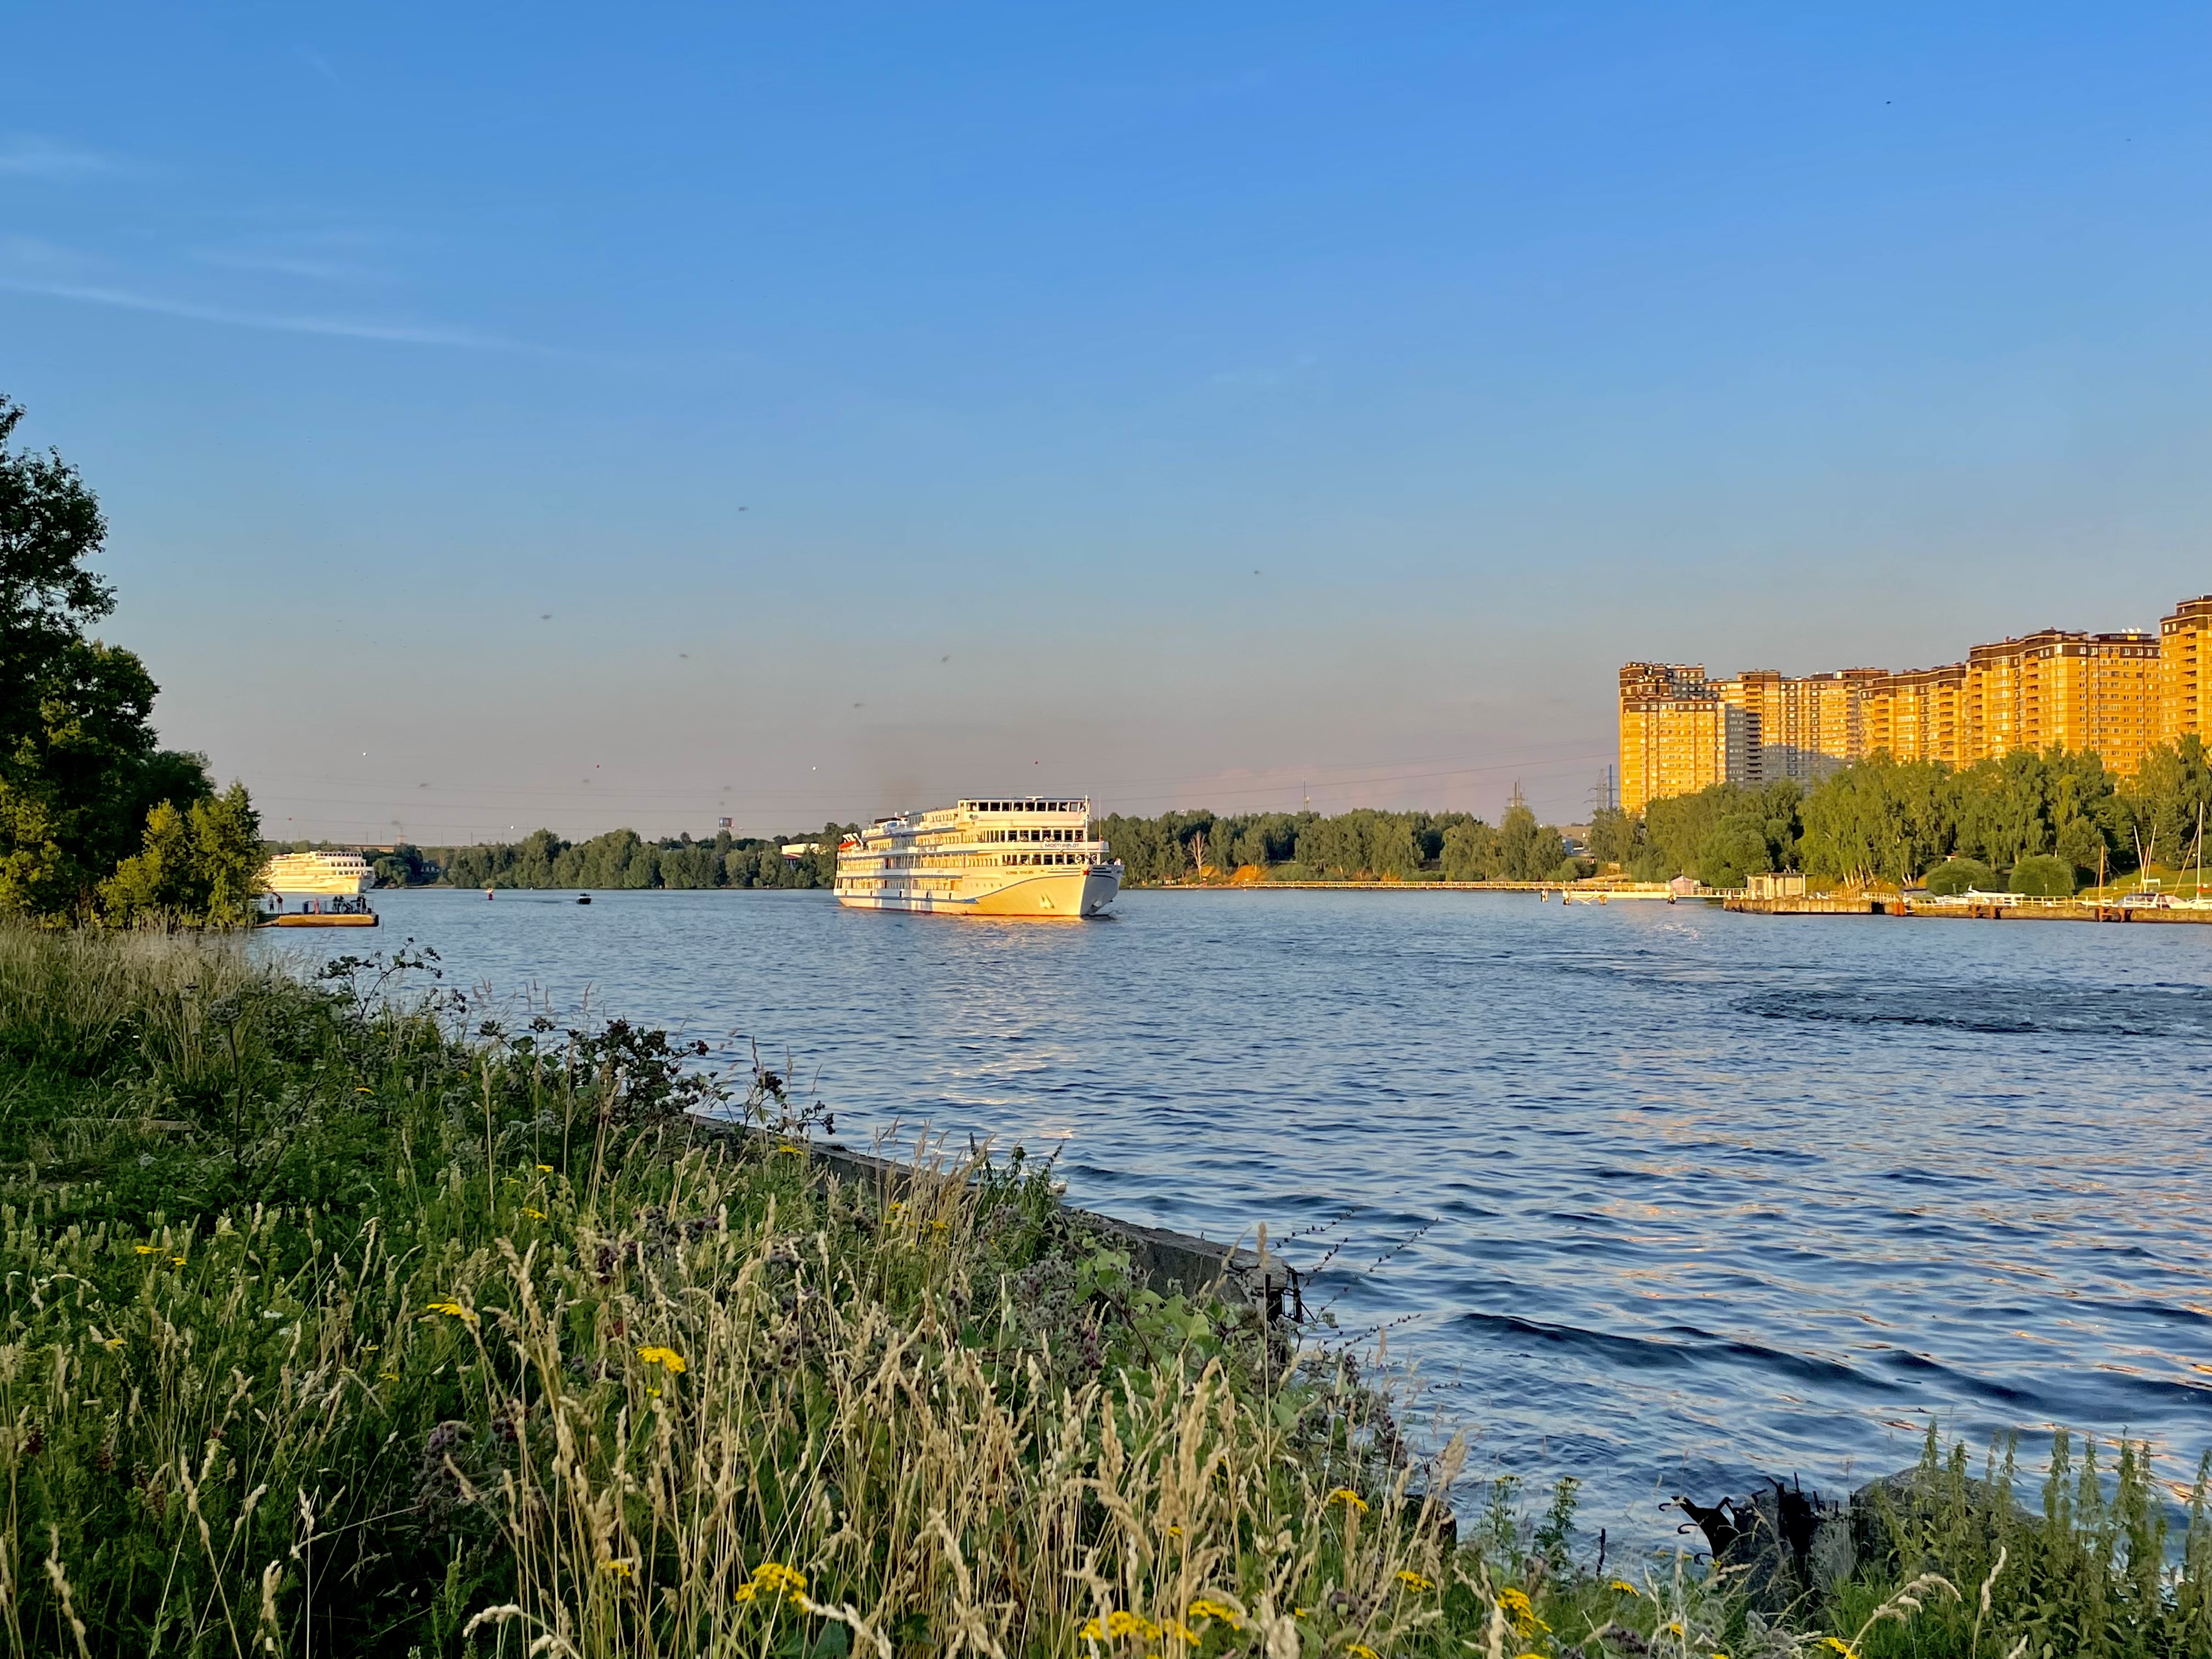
<point>1203,1609</point>
<point>1175,1532</point>
<point>358,1090</point>
<point>535,1215</point>
<point>796,1151</point>
<point>1623,1584</point>
<point>774,1577</point>
<point>545,1169</point>
<point>1839,1645</point>
<point>388,1376</point>
<point>667,1358</point>
<point>1124,1623</point>
<point>942,1226</point>
<point>620,1569</point>
<point>1359,1650</point>
<point>143,1249</point>
<point>1414,1581</point>
<point>1674,1629</point>
<point>452,1310</point>
<point>1090,1632</point>
<point>1349,1499</point>
<point>112,1343</point>
<point>1519,1609</point>
<point>176,1261</point>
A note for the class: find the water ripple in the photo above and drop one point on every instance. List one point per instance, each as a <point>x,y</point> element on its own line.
<point>1654,1195</point>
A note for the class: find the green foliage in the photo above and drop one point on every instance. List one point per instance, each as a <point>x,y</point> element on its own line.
<point>1956,876</point>
<point>1887,821</point>
<point>2044,877</point>
<point>620,859</point>
<point>81,770</point>
<point>199,867</point>
<point>1364,844</point>
<point>2093,1575</point>
<point>328,1332</point>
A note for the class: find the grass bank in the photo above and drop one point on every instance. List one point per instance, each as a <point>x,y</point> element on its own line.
<point>346,1323</point>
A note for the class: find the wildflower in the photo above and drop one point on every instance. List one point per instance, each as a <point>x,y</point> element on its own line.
<point>942,1226</point>
<point>1203,1609</point>
<point>667,1358</point>
<point>112,1343</point>
<point>535,1215</point>
<point>1349,1499</point>
<point>1414,1581</point>
<point>1175,1532</point>
<point>358,1090</point>
<point>774,1577</point>
<point>796,1151</point>
<point>143,1249</point>
<point>1838,1644</point>
<point>545,1169</point>
<point>1521,1611</point>
<point>1674,1629</point>
<point>1359,1650</point>
<point>176,1261</point>
<point>388,1376</point>
<point>619,1568</point>
<point>1129,1624</point>
<point>1623,1584</point>
<point>452,1310</point>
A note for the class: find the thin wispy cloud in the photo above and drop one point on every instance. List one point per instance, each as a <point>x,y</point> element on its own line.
<point>42,158</point>
<point>341,328</point>
<point>289,265</point>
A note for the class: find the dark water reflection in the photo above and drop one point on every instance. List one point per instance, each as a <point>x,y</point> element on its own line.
<point>1666,1195</point>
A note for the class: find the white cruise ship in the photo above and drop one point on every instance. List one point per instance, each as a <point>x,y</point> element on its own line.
<point>318,873</point>
<point>1024,857</point>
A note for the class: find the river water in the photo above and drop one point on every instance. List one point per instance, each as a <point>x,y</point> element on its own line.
<point>1650,1194</point>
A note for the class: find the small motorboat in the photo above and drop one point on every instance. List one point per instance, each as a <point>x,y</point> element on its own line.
<point>583,898</point>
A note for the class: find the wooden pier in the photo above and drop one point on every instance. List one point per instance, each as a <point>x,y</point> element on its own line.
<point>1873,904</point>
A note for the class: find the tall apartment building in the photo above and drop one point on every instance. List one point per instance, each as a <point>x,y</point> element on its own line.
<point>2118,694</point>
<point>2185,652</point>
<point>1677,736</point>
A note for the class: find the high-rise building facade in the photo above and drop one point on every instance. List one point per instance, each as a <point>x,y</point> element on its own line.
<point>1677,736</point>
<point>2185,654</point>
<point>2116,694</point>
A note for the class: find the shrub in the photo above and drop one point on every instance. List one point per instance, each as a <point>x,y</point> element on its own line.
<point>1956,876</point>
<point>2043,877</point>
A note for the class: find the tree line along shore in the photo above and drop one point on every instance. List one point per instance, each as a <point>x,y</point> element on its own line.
<point>2042,824</point>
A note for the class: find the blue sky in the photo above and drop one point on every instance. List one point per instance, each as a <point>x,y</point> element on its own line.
<point>510,415</point>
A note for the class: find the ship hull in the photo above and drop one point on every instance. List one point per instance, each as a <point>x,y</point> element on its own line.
<point>1055,895</point>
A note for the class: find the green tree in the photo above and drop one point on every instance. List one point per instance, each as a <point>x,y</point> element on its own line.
<point>1527,850</point>
<point>1614,837</point>
<point>1734,848</point>
<point>2044,877</point>
<point>1471,852</point>
<point>1879,820</point>
<point>1955,876</point>
<point>2159,808</point>
<point>80,766</point>
<point>199,865</point>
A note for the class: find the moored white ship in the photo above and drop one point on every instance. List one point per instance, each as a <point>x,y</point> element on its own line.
<point>318,873</point>
<point>1018,856</point>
